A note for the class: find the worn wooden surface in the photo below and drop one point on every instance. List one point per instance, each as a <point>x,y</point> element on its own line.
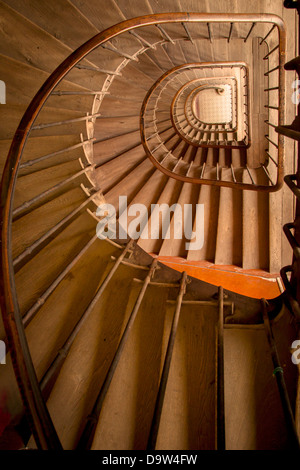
<point>254,418</point>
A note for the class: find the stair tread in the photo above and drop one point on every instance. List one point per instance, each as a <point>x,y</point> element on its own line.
<point>147,195</point>
<point>177,247</point>
<point>107,149</point>
<point>76,232</point>
<point>229,232</point>
<point>116,170</point>
<point>169,196</point>
<point>69,26</point>
<point>82,373</point>
<point>37,36</point>
<point>56,323</point>
<point>133,389</point>
<point>141,173</point>
<point>209,196</point>
<point>185,403</point>
<point>105,127</point>
<point>255,225</point>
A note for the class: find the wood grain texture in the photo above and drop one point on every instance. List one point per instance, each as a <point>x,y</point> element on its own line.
<point>48,32</point>
<point>254,418</point>
<point>127,412</point>
<point>85,367</point>
<point>188,416</point>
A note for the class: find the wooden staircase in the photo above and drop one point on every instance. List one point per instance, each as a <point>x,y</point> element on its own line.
<point>112,349</point>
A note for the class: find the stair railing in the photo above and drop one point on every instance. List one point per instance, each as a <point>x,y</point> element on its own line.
<point>274,107</point>
<point>275,151</point>
<point>184,101</point>
<point>40,420</point>
<point>291,274</point>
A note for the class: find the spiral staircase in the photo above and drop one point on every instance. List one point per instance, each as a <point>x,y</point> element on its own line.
<point>107,346</point>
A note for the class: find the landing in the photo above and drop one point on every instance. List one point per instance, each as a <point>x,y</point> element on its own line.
<point>252,283</point>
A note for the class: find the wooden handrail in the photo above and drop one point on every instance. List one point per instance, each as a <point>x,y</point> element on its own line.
<point>236,185</point>
<point>181,90</point>
<point>173,73</point>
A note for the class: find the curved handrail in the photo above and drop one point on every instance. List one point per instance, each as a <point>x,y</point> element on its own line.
<point>42,426</point>
<point>189,97</point>
<point>194,81</point>
<point>192,97</point>
<point>190,100</point>
<point>174,72</point>
<point>235,185</point>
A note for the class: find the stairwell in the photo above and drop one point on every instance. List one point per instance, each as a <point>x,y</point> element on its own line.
<point>121,351</point>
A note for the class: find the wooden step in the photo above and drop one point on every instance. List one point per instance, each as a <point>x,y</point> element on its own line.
<point>38,148</point>
<point>55,324</point>
<point>190,154</point>
<point>169,196</point>
<point>32,79</point>
<point>130,107</point>
<point>46,179</point>
<point>49,53</point>
<point>209,197</point>
<point>161,57</point>
<point>137,75</point>
<point>87,363</point>
<point>236,158</point>
<point>247,361</point>
<point>13,113</point>
<point>179,149</point>
<point>188,415</point>
<point>128,87</point>
<point>117,169</point>
<point>177,247</point>
<point>148,195</point>
<point>149,67</point>
<point>255,225</point>
<point>124,187</point>
<point>106,149</point>
<point>46,56</point>
<point>73,237</point>
<point>69,26</point>
<point>229,231</point>
<point>137,374</point>
<point>43,219</point>
<point>210,157</point>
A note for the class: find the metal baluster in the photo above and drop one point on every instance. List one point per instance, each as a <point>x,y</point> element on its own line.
<point>166,368</point>
<point>230,32</point>
<point>63,352</point>
<point>33,249</point>
<point>278,373</point>
<point>267,35</point>
<point>250,31</point>
<point>209,32</point>
<point>188,33</point>
<point>45,157</point>
<point>90,427</point>
<point>38,200</point>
